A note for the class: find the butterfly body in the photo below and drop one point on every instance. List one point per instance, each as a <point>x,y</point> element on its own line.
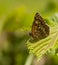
<point>39,28</point>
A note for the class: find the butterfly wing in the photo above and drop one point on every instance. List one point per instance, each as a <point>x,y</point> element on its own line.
<point>39,28</point>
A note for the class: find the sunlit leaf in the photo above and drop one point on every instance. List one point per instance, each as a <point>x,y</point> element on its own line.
<point>40,47</point>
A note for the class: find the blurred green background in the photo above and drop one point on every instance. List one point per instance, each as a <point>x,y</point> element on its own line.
<point>16,17</point>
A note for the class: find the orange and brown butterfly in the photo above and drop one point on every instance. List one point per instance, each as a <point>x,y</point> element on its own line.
<point>39,27</point>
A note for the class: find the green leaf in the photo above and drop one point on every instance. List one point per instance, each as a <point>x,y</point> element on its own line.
<point>40,47</point>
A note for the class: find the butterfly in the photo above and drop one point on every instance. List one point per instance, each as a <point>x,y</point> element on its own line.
<point>39,27</point>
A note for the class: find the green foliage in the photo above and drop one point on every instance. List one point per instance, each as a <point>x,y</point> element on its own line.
<point>17,25</point>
